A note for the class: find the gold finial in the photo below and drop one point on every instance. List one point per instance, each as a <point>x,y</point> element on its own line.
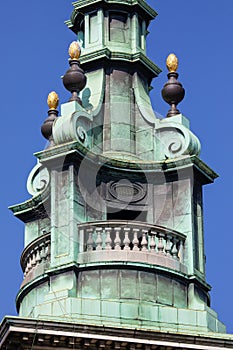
<point>53,100</point>
<point>172,63</point>
<point>74,50</point>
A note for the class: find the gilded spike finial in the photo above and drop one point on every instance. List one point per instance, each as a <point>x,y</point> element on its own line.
<point>172,63</point>
<point>74,50</point>
<point>53,100</point>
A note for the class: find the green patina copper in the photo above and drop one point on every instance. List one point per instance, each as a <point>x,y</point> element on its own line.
<point>113,161</point>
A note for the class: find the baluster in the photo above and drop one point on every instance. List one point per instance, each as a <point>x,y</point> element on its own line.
<point>108,241</point>
<point>117,240</point>
<point>99,240</point>
<point>174,250</point>
<point>90,241</point>
<point>43,252</point>
<point>135,239</point>
<point>30,261</point>
<point>181,251</point>
<point>160,243</point>
<point>48,250</point>
<point>126,239</point>
<point>144,240</point>
<point>38,257</point>
<point>152,241</point>
<point>27,266</point>
<point>33,261</point>
<point>168,245</point>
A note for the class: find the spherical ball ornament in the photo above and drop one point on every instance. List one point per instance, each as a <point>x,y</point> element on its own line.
<point>172,63</point>
<point>74,50</point>
<point>53,100</point>
<point>74,79</point>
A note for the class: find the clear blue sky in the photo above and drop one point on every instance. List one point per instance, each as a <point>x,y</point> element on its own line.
<point>34,44</point>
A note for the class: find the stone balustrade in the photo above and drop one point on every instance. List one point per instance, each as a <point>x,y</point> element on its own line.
<point>112,242</point>
<point>131,241</point>
<point>36,257</point>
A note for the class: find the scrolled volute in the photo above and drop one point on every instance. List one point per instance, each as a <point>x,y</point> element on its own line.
<point>38,180</point>
<point>174,140</point>
<point>73,127</point>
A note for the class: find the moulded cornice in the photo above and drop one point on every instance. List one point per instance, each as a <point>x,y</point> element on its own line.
<point>80,6</point>
<point>141,3</point>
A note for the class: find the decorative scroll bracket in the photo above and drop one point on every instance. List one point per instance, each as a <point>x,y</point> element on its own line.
<point>73,127</point>
<point>174,140</point>
<point>38,180</point>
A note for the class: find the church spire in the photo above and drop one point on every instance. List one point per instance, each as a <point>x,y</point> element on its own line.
<point>114,229</point>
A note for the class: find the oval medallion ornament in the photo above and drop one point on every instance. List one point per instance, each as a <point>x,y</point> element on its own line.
<point>127,192</point>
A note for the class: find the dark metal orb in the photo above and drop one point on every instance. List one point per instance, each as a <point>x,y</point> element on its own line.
<point>173,93</point>
<point>74,80</point>
<point>46,128</point>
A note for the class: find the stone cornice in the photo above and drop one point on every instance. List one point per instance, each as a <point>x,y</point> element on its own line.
<point>75,149</point>
<point>32,208</point>
<point>134,59</point>
<point>83,4</point>
<point>23,331</point>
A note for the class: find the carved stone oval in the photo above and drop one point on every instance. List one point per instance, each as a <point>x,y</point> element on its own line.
<point>127,192</point>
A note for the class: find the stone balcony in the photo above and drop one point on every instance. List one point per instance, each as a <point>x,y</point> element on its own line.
<point>35,258</point>
<point>131,242</point>
<point>112,242</point>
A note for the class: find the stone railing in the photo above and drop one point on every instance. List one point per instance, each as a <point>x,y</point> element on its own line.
<point>112,242</point>
<point>36,257</point>
<point>131,241</point>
